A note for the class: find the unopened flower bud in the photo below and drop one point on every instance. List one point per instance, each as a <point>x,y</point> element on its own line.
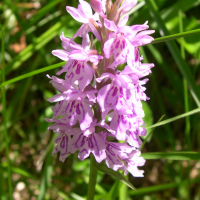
<point>96,5</point>
<point>109,5</point>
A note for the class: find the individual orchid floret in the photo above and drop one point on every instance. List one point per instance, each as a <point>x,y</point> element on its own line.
<point>122,123</point>
<point>78,52</point>
<point>139,71</point>
<point>72,106</point>
<point>73,112</point>
<point>62,142</point>
<point>123,41</point>
<point>88,144</point>
<point>77,56</point>
<point>69,93</point>
<point>123,157</point>
<point>84,15</point>
<point>132,163</point>
<point>79,71</point>
<point>116,95</point>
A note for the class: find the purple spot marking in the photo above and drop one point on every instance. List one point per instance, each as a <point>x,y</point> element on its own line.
<point>62,143</point>
<point>123,42</point>
<point>123,119</point>
<point>71,75</point>
<point>78,68</point>
<point>78,109</point>
<point>111,159</point>
<point>90,144</point>
<point>83,141</point>
<point>109,149</point>
<point>76,143</point>
<point>66,146</point>
<point>115,91</point>
<point>73,102</point>
<point>117,44</point>
<point>75,63</point>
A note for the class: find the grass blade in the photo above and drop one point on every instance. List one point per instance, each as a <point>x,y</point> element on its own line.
<point>4,122</point>
<point>156,188</point>
<point>174,118</point>
<point>182,65</point>
<point>175,36</point>
<point>30,49</point>
<point>172,155</point>
<point>113,193</point>
<point>103,168</point>
<point>44,69</point>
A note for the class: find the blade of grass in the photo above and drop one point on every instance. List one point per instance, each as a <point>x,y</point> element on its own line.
<point>197,110</point>
<point>183,67</point>
<point>186,105</point>
<point>171,155</point>
<point>149,134</point>
<point>123,191</point>
<point>46,179</point>
<point>113,193</point>
<point>157,92</point>
<point>185,88</point>
<point>30,49</point>
<point>2,190</point>
<point>19,171</point>
<point>103,168</point>
<point>35,18</point>
<point>157,188</point>
<point>4,121</point>
<point>175,36</point>
<point>44,69</point>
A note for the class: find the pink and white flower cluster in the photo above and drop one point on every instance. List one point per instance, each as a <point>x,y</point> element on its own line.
<point>97,103</point>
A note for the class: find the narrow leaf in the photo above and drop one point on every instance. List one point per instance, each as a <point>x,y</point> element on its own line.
<point>182,65</point>
<point>161,187</point>
<point>174,118</point>
<point>103,168</point>
<point>44,69</point>
<point>172,155</point>
<point>175,36</point>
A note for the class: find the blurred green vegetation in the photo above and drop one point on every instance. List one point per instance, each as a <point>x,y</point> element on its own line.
<point>29,31</point>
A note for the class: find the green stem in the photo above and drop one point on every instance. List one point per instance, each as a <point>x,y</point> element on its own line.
<point>4,122</point>
<point>92,179</point>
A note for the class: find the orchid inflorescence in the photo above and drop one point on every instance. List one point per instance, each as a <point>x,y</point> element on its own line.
<point>100,99</point>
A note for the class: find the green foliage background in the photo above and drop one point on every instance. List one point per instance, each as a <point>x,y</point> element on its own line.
<point>29,31</point>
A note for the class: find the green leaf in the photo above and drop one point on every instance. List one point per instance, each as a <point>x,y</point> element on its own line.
<point>175,36</point>
<point>174,118</point>
<point>103,168</point>
<point>44,69</point>
<point>6,136</point>
<point>113,193</point>
<point>172,155</point>
<point>148,118</point>
<point>161,187</point>
<point>182,65</point>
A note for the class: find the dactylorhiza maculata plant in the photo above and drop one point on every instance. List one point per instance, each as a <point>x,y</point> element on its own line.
<point>98,103</point>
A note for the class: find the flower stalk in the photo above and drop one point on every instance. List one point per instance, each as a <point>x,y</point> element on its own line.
<point>92,179</point>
